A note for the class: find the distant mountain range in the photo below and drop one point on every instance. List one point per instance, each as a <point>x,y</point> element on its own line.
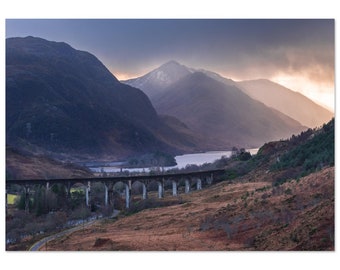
<point>66,102</point>
<point>228,113</point>
<point>225,116</point>
<point>289,102</point>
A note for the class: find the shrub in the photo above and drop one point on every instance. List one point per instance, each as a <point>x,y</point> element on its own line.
<point>313,150</point>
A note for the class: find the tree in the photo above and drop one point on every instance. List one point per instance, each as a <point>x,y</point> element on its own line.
<point>234,151</point>
<point>244,156</point>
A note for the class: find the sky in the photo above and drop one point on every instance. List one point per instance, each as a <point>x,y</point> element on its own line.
<point>297,53</point>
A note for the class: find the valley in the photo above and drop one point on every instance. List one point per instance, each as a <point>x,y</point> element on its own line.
<point>65,104</point>
<point>247,214</point>
<point>182,162</point>
<point>282,198</point>
<point>64,107</point>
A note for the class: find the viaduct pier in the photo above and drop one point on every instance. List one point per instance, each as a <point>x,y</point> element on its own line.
<point>198,179</point>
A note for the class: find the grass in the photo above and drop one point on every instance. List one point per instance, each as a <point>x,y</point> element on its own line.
<point>11,198</point>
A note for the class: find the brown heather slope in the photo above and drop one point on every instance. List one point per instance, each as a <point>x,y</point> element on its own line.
<point>25,165</point>
<point>297,215</point>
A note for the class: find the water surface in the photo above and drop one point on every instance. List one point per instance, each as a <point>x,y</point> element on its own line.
<point>182,161</point>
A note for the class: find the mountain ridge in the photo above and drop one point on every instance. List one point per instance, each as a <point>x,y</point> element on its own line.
<point>156,80</point>
<point>311,116</point>
<point>62,100</point>
<point>277,96</point>
<point>214,121</point>
<point>223,114</point>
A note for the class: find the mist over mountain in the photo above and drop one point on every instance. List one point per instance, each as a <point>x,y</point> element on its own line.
<point>222,114</point>
<point>65,101</point>
<point>280,102</point>
<point>287,101</point>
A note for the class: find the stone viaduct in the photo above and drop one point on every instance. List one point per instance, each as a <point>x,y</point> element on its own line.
<point>197,178</point>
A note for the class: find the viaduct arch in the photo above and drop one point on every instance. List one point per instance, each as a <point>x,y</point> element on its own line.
<point>196,178</point>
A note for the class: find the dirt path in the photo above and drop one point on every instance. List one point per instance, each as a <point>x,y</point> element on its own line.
<point>43,242</point>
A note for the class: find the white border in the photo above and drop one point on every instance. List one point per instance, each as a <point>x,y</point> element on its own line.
<point>161,9</point>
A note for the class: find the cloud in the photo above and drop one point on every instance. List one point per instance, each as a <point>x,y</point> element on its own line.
<point>315,64</point>
<point>238,49</point>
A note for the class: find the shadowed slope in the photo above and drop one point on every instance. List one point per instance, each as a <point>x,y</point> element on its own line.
<point>62,100</point>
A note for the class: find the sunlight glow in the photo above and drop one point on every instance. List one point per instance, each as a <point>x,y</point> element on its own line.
<point>320,92</point>
<point>121,76</point>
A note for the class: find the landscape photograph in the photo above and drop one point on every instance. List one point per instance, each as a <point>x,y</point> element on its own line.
<point>170,135</point>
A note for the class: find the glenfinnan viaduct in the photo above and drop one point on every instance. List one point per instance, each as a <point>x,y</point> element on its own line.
<point>197,178</point>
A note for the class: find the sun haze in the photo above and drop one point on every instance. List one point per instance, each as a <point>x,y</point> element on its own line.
<point>298,53</point>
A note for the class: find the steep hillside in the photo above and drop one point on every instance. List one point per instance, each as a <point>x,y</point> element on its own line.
<point>247,210</point>
<point>241,216</point>
<point>301,155</point>
<point>64,101</point>
<point>24,165</point>
<point>223,114</point>
<point>291,103</point>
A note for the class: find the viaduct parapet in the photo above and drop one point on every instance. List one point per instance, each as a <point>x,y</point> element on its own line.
<point>192,178</point>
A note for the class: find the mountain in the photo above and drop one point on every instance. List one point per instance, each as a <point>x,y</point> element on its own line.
<point>154,82</point>
<point>217,77</point>
<point>66,102</point>
<point>223,114</point>
<point>287,101</point>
